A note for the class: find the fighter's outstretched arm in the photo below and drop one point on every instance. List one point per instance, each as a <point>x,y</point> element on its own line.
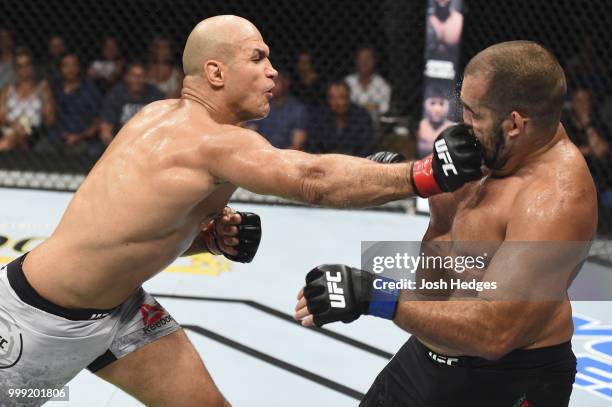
<point>246,159</point>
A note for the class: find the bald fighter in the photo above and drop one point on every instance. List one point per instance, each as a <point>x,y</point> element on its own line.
<point>536,204</point>
<point>159,192</point>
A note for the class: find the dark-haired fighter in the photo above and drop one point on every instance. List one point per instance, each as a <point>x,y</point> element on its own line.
<point>509,347</point>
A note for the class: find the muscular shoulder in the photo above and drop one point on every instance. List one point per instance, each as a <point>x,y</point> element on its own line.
<point>158,107</point>
<point>558,202</point>
<point>225,139</point>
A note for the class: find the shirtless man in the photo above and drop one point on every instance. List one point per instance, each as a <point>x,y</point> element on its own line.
<point>492,350</point>
<point>76,300</point>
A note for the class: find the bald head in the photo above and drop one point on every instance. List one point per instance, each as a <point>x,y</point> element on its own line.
<point>522,76</point>
<point>216,38</point>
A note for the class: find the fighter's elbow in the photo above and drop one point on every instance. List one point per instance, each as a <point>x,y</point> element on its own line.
<point>310,193</point>
<point>313,188</point>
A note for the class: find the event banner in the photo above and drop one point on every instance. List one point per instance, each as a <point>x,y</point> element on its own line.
<point>442,46</point>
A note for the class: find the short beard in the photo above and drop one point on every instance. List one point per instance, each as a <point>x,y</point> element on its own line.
<point>498,157</point>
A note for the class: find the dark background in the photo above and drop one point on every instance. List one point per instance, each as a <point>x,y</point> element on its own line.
<point>331,29</point>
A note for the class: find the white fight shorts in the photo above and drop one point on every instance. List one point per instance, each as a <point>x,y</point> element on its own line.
<point>43,345</point>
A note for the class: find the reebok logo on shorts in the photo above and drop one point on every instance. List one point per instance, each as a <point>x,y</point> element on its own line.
<point>153,317</point>
<point>151,313</point>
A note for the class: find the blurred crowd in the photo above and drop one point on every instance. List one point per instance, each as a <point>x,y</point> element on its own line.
<point>59,103</point>
<point>63,103</point>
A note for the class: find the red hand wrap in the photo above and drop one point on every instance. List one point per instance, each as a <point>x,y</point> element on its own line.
<point>209,239</point>
<point>423,179</point>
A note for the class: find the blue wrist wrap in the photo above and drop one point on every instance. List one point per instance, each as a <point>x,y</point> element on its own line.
<point>384,301</point>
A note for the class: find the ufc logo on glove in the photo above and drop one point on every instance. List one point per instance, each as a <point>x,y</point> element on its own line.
<point>445,157</point>
<point>336,297</point>
<point>336,292</point>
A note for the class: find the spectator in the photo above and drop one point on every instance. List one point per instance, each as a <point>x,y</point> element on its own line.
<point>55,50</point>
<point>7,57</point>
<point>584,127</point>
<point>340,127</point>
<point>307,86</point>
<point>26,106</point>
<point>106,71</point>
<point>125,100</point>
<point>368,89</point>
<point>285,125</point>
<point>77,102</point>
<point>436,108</point>
<point>162,71</point>
<point>444,25</point>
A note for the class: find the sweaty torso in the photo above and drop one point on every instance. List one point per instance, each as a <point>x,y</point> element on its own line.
<point>140,208</point>
<point>480,211</point>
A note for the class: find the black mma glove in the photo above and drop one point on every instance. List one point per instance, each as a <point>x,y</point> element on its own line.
<point>249,236</point>
<point>456,159</point>
<point>335,292</point>
<point>387,157</point>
